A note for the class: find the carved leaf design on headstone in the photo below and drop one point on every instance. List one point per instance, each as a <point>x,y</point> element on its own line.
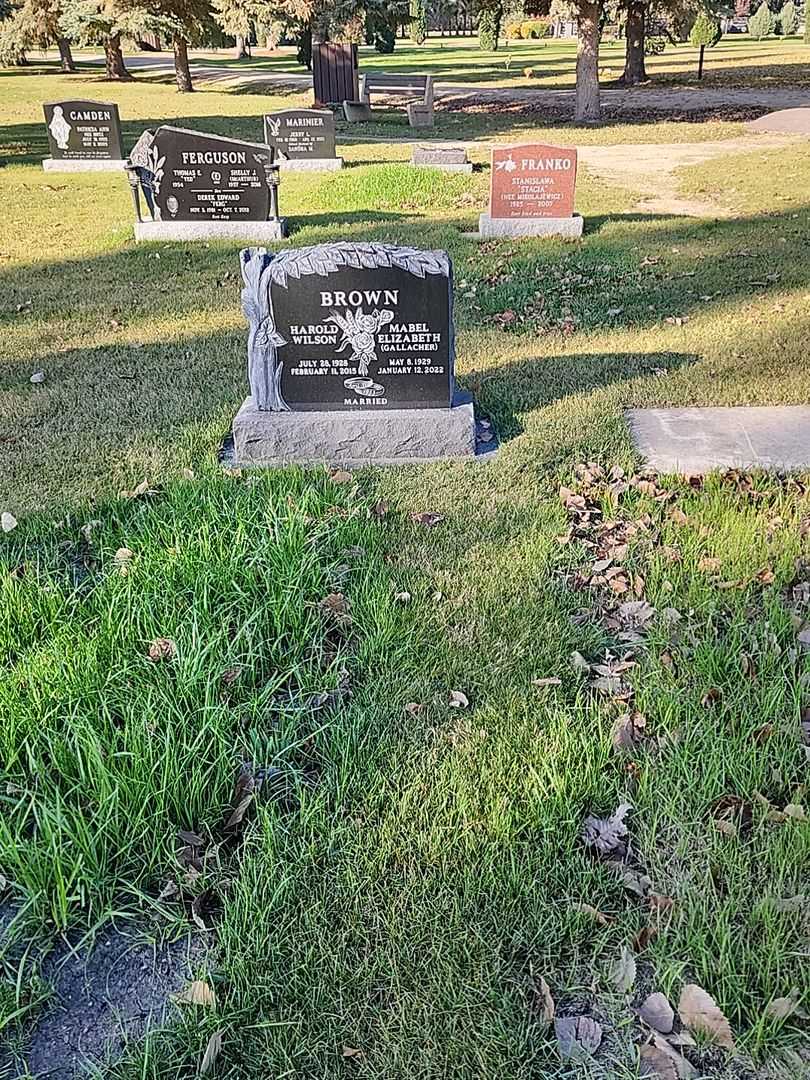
<point>266,334</point>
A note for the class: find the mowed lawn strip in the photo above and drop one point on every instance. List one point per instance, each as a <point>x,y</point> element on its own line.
<point>392,911</point>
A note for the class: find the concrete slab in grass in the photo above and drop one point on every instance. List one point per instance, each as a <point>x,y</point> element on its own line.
<point>695,441</point>
<point>788,121</point>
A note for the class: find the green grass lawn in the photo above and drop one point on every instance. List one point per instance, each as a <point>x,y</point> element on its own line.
<point>405,876</point>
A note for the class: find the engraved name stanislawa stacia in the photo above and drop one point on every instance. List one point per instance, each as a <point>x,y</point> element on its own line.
<point>349,326</point>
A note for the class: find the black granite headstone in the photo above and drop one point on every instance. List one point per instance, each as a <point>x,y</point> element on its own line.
<point>349,326</point>
<point>191,176</point>
<point>301,133</point>
<point>83,131</point>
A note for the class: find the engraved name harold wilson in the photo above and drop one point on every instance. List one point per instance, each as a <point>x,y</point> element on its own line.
<point>349,326</point>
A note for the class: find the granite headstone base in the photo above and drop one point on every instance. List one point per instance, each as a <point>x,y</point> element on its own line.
<point>77,165</point>
<point>387,437</point>
<point>250,231</point>
<point>451,159</point>
<point>569,228</point>
<point>324,164</point>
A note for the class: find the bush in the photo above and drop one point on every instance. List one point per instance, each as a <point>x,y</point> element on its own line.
<point>489,24</point>
<point>385,39</point>
<point>534,28</point>
<point>789,18</point>
<point>512,31</point>
<point>761,23</point>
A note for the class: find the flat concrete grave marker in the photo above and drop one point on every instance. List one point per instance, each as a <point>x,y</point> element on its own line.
<point>83,136</point>
<point>447,158</point>
<point>531,192</point>
<point>351,357</point>
<point>304,139</point>
<point>694,441</point>
<point>203,187</point>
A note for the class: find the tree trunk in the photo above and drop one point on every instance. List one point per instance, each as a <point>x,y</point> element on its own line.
<point>182,73</point>
<point>588,107</point>
<point>66,56</point>
<point>700,61</point>
<point>241,51</point>
<point>114,58</point>
<point>636,30</point>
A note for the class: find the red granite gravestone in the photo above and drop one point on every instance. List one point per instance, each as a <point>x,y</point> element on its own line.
<point>532,181</point>
<point>532,192</point>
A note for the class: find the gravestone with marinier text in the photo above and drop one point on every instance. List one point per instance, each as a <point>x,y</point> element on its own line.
<point>197,186</point>
<point>304,139</point>
<point>531,192</point>
<point>351,356</point>
<point>83,136</point>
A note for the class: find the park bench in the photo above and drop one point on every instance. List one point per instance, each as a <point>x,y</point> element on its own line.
<point>420,112</point>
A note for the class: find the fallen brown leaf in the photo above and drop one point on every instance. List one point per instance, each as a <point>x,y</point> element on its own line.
<point>700,1013</point>
<point>196,993</point>
<point>657,1013</point>
<point>657,1064</point>
<point>594,913</point>
<point>458,700</point>
<point>544,999</point>
<point>162,649</point>
<point>607,835</point>
<point>578,1037</point>
<point>428,518</point>
<point>623,972</point>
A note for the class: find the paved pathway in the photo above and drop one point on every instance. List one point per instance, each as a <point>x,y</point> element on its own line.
<point>632,99</point>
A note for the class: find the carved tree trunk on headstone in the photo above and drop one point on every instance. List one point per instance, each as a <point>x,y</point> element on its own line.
<point>588,107</point>
<point>114,58</point>
<point>66,56</point>
<point>182,72</point>
<point>636,29</point>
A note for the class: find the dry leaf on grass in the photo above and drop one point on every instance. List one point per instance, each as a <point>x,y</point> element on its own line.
<point>598,916</point>
<point>428,518</point>
<point>352,1052</point>
<point>657,1064</point>
<point>413,708</point>
<point>783,1007</point>
<point>37,378</point>
<point>577,1036</point>
<point>196,993</point>
<point>700,1013</point>
<point>623,972</point>
<point>628,731</point>
<point>162,649</point>
<point>684,1070</point>
<point>7,522</point>
<point>122,558</point>
<point>341,476</point>
<point>544,999</point>
<point>458,700</point>
<point>550,680</point>
<point>657,1012</point>
<point>212,1052</point>
<point>607,835</point>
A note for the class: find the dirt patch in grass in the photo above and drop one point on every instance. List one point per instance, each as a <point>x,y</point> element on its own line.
<point>104,997</point>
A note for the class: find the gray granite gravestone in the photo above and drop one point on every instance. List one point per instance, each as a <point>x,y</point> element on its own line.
<point>304,139</point>
<point>446,158</point>
<point>83,136</point>
<point>204,187</point>
<point>351,357</point>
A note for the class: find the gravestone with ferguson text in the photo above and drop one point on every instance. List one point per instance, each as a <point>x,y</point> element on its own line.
<point>198,186</point>
<point>304,139</point>
<point>351,356</point>
<point>531,192</point>
<point>83,136</point>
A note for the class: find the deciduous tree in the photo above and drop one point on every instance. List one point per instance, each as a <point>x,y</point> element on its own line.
<point>588,104</point>
<point>705,33</point>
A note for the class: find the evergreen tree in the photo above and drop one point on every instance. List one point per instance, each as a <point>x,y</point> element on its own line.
<point>705,33</point>
<point>104,22</point>
<point>761,23</point>
<point>489,25</point>
<point>789,19</point>
<point>419,21</point>
<point>35,25</point>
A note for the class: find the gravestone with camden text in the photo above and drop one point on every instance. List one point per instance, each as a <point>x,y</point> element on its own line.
<point>531,192</point>
<point>351,356</point>
<point>83,136</point>
<point>304,139</point>
<point>198,187</point>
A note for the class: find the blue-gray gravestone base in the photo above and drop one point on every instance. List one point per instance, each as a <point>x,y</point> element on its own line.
<point>351,354</point>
